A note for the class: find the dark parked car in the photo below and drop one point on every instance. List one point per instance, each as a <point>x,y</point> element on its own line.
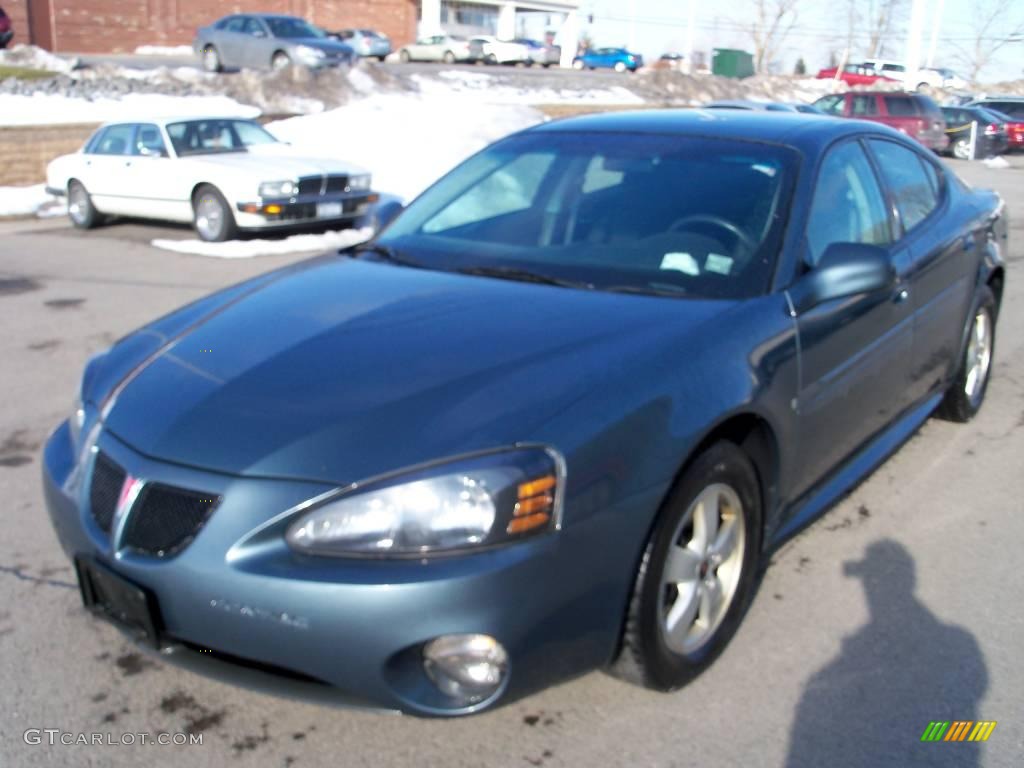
<point>1012,107</point>
<point>267,41</point>
<point>6,29</point>
<point>367,43</point>
<point>914,114</point>
<point>989,130</point>
<point>618,59</point>
<point>552,419</point>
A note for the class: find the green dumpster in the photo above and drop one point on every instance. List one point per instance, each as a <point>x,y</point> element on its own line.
<point>730,62</point>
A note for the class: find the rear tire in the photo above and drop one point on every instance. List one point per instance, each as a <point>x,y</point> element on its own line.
<point>404,56</point>
<point>449,57</point>
<point>966,394</point>
<point>620,67</point>
<point>211,59</point>
<point>81,211</point>
<point>211,215</point>
<point>577,65</point>
<point>695,579</point>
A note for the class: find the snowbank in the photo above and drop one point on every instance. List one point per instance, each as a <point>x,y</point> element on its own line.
<point>31,57</point>
<point>24,201</point>
<point>50,109</point>
<point>246,249</point>
<point>494,89</point>
<point>407,141</point>
<point>164,50</point>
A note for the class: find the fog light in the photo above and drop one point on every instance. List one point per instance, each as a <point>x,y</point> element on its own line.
<point>469,668</point>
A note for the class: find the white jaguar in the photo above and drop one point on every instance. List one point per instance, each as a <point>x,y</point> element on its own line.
<point>222,174</point>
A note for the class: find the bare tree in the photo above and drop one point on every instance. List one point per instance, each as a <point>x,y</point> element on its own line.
<point>883,19</point>
<point>773,21</point>
<point>992,27</point>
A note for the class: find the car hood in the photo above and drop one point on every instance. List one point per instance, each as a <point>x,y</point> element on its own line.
<point>275,162</point>
<point>343,369</point>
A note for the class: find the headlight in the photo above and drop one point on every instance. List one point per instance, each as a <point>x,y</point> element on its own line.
<point>306,52</point>
<point>488,499</point>
<point>278,188</point>
<point>359,183</point>
<point>76,420</point>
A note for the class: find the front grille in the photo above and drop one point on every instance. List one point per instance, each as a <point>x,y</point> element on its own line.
<point>315,185</point>
<point>105,490</point>
<point>164,520</point>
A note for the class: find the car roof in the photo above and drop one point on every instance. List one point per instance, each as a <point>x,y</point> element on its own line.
<point>167,119</point>
<point>808,133</point>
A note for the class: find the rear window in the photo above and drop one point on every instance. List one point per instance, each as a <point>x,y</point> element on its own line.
<point>900,106</point>
<point>1012,108</point>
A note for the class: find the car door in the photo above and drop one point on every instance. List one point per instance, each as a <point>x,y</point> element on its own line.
<point>944,261</point>
<point>229,42</point>
<point>154,185</point>
<point>107,180</point>
<point>854,352</point>
<point>257,46</point>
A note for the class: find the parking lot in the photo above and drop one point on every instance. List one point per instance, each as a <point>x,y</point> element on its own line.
<point>900,606</point>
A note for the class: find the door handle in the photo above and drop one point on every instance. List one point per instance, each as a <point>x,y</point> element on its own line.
<point>901,295</point>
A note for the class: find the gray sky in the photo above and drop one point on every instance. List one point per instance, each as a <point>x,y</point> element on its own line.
<point>821,28</point>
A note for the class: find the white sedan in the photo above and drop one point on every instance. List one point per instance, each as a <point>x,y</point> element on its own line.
<point>221,174</point>
<point>491,50</point>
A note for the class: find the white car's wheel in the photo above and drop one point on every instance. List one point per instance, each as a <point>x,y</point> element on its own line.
<point>81,211</point>
<point>211,215</point>
<point>962,149</point>
<point>404,56</point>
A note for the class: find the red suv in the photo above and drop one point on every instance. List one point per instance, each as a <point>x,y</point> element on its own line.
<point>6,30</point>
<point>911,113</point>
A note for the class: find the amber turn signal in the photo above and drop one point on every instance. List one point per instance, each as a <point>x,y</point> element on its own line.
<point>528,523</point>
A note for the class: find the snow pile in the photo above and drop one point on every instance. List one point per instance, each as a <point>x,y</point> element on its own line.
<point>407,141</point>
<point>164,50</point>
<point>246,249</point>
<point>498,89</point>
<point>31,57</point>
<point>996,162</point>
<point>24,201</point>
<point>50,109</point>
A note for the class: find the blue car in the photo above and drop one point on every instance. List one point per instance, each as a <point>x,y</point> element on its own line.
<point>618,59</point>
<point>552,419</point>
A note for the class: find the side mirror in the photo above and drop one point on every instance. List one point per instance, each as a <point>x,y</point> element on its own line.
<point>845,269</point>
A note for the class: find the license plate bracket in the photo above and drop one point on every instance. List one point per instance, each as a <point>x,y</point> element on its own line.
<point>120,601</point>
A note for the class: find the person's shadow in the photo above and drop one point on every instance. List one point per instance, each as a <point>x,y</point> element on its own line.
<point>871,705</point>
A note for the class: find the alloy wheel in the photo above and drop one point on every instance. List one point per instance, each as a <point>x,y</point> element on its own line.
<point>702,570</point>
<point>78,204</point>
<point>209,218</point>
<point>979,355</point>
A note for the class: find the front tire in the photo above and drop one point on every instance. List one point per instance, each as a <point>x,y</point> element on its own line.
<point>962,149</point>
<point>449,57</point>
<point>211,216</point>
<point>405,56</point>
<point>81,211</point>
<point>577,65</point>
<point>966,394</point>
<point>697,573</point>
<point>280,60</point>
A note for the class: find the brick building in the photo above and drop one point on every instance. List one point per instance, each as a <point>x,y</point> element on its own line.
<point>120,26</point>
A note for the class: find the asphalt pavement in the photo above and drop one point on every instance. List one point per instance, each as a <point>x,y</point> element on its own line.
<point>900,606</point>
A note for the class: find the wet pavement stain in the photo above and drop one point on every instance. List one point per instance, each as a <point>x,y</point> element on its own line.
<point>43,346</point>
<point>16,449</point>
<point>249,743</point>
<point>11,286</point>
<point>198,718</point>
<point>64,303</point>
<point>133,664</point>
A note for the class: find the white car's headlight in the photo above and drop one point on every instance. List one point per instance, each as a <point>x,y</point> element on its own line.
<point>278,188</point>
<point>481,501</point>
<point>359,183</point>
<point>308,53</point>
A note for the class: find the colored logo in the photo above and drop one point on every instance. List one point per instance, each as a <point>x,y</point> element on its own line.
<point>958,730</point>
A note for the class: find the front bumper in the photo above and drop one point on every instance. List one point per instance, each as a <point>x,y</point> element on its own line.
<point>350,631</point>
<point>5,38</point>
<point>303,209</point>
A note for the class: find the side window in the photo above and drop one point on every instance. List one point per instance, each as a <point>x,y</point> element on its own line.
<point>510,188</point>
<point>848,205</point>
<point>900,106</point>
<point>254,28</point>
<point>933,177</point>
<point>906,176</point>
<point>864,104</point>
<point>149,142</point>
<point>235,24</point>
<point>833,105</point>
<point>116,140</point>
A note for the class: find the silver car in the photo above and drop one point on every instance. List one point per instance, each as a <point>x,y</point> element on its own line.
<point>367,43</point>
<point>267,41</point>
<point>446,48</point>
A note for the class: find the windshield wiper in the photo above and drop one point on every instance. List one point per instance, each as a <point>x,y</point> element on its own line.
<point>385,252</point>
<point>522,275</point>
<point>666,289</point>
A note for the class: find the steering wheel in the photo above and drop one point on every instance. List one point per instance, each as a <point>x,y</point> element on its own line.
<point>718,221</point>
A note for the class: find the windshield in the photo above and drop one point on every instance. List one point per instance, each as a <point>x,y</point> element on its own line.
<point>662,214</point>
<point>284,26</point>
<point>198,137</point>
